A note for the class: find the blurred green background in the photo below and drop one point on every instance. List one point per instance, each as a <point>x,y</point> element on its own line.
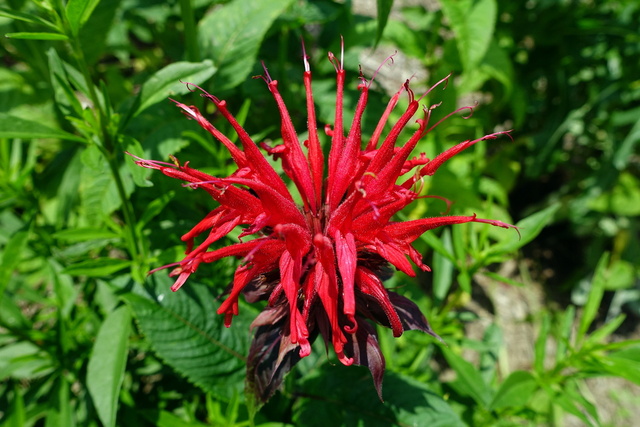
<point>539,331</point>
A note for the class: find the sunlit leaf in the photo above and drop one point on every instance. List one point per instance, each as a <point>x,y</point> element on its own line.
<point>107,363</point>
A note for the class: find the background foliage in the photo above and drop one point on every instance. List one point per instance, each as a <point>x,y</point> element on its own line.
<point>82,81</point>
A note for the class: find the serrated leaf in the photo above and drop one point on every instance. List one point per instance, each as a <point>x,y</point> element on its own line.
<point>345,396</point>
<point>105,371</point>
<point>16,127</point>
<point>232,34</point>
<point>99,267</point>
<point>37,36</point>
<point>185,331</point>
<point>171,80</point>
<point>515,391</point>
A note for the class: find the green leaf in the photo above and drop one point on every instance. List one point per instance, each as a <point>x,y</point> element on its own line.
<point>442,269</point>
<point>515,391</point>
<point>590,310</point>
<point>11,255</point>
<point>473,24</point>
<point>78,13</point>
<point>540,348</point>
<point>171,80</point>
<point>185,331</point>
<point>60,412</point>
<point>153,209</point>
<point>167,419</point>
<point>74,235</point>
<point>621,365</point>
<point>37,36</point>
<point>345,396</point>
<point>105,371</point>
<point>383,11</point>
<point>231,36</point>
<point>469,378</point>
<point>15,127</point>
<point>99,267</point>
<point>25,17</point>
<point>529,228</point>
<point>138,173</point>
<point>624,151</point>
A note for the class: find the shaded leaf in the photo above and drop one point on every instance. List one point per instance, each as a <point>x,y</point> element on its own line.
<point>99,267</point>
<point>232,34</point>
<point>343,396</point>
<point>16,127</point>
<point>383,11</point>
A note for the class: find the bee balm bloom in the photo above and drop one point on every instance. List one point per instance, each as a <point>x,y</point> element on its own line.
<point>320,266</point>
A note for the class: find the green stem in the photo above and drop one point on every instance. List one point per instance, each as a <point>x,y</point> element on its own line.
<point>110,148</point>
<point>190,31</point>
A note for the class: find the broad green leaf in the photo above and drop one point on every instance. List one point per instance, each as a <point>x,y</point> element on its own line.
<point>37,36</point>
<point>383,11</point>
<point>16,127</point>
<point>171,80</point>
<point>473,24</point>
<point>105,371</point>
<point>138,173</point>
<point>468,378</point>
<point>590,310</point>
<point>99,267</point>
<point>185,331</point>
<point>515,391</point>
<point>98,191</point>
<point>78,13</point>
<point>529,228</point>
<point>345,396</point>
<point>232,34</point>
<point>74,235</point>
<point>97,30</point>
<point>620,365</point>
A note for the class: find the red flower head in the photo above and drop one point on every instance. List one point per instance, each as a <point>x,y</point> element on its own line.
<point>321,265</point>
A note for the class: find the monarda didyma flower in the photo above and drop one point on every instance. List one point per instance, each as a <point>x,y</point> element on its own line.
<point>320,266</point>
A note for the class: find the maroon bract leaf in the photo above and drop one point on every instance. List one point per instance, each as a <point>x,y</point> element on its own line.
<point>363,348</point>
<point>319,266</point>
